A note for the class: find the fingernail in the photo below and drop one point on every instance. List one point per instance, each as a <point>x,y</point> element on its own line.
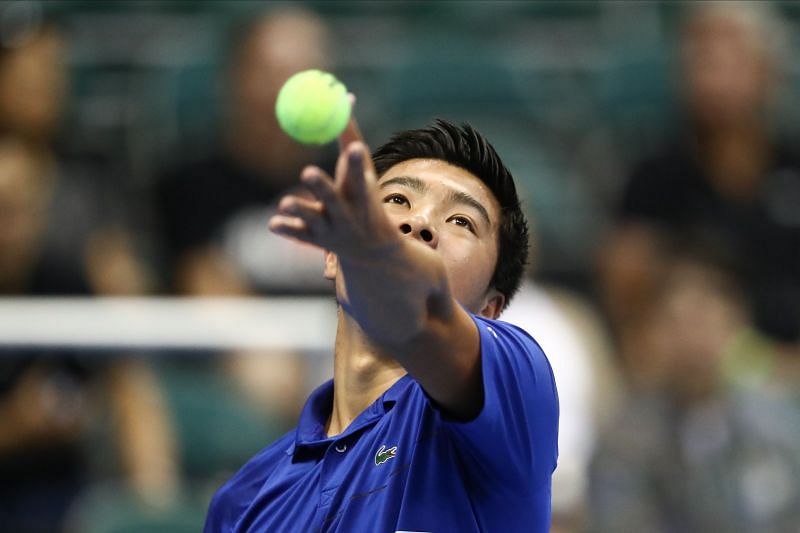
<point>356,155</point>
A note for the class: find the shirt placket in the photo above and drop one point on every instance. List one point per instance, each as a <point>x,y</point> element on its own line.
<point>331,478</point>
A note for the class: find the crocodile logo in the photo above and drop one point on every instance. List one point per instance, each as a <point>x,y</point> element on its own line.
<point>383,454</point>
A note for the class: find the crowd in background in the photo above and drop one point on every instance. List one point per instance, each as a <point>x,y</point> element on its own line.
<point>654,144</point>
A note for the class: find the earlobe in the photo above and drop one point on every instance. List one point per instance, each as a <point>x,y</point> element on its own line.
<point>331,265</point>
<point>494,304</point>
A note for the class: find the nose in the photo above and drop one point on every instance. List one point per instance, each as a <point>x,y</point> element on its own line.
<point>419,227</point>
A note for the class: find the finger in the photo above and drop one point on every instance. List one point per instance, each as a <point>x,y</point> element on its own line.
<point>289,226</point>
<point>322,187</point>
<point>367,164</point>
<point>311,211</point>
<point>296,206</point>
<point>351,132</point>
<point>354,185</point>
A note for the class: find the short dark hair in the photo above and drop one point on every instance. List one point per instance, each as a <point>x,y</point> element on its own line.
<point>463,146</point>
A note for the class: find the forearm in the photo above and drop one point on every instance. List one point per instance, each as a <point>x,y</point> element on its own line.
<point>398,294</point>
<point>403,303</point>
<point>147,444</point>
<point>393,285</point>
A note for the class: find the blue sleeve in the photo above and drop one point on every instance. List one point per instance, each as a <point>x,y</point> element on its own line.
<point>516,432</point>
<point>236,495</point>
<point>221,515</point>
<point>232,499</point>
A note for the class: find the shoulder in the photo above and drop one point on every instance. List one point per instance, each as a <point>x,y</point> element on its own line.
<point>55,274</point>
<point>673,155</point>
<point>511,357</point>
<point>513,439</point>
<point>660,182</point>
<point>668,166</point>
<point>235,495</point>
<point>205,170</point>
<point>503,339</point>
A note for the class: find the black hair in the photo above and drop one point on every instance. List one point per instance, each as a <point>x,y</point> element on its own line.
<point>463,146</point>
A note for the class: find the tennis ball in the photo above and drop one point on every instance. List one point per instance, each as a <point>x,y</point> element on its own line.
<point>313,107</point>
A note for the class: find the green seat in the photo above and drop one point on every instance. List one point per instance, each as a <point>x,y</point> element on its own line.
<point>113,509</point>
<point>218,431</point>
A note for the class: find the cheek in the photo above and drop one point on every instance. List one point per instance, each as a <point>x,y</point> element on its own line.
<point>468,262</point>
<point>395,213</point>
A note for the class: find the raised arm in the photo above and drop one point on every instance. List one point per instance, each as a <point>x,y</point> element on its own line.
<point>396,284</point>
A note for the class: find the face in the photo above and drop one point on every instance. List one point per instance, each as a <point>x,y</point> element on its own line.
<point>727,76</point>
<point>452,211</point>
<point>279,47</point>
<point>693,322</point>
<point>33,85</point>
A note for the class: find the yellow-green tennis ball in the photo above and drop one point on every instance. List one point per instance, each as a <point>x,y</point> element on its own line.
<point>313,107</point>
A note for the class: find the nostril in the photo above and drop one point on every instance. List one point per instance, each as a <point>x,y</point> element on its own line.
<point>426,235</point>
<point>405,228</point>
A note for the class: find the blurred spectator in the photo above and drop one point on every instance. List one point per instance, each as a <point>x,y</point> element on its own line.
<point>33,81</point>
<point>689,452</point>
<point>215,207</point>
<point>26,187</point>
<point>49,398</point>
<point>730,172</point>
<point>86,219</point>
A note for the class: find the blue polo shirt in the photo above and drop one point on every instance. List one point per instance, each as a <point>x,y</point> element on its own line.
<point>402,466</point>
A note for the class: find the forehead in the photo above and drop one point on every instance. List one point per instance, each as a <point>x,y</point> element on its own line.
<point>441,176</point>
<point>723,28</point>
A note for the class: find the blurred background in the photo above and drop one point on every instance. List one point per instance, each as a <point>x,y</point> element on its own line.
<point>655,145</point>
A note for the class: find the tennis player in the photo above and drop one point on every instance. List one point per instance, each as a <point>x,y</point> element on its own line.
<point>439,417</point>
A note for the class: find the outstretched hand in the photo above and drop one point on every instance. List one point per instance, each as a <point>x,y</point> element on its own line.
<point>345,216</point>
<point>396,291</point>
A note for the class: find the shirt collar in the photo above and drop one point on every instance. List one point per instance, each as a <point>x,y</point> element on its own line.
<point>393,393</point>
<point>315,413</point>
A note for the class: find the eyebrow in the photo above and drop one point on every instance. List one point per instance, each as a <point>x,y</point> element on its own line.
<point>458,197</point>
<point>415,184</point>
<point>463,198</point>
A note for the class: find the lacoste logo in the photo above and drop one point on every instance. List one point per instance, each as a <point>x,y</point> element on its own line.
<point>383,455</point>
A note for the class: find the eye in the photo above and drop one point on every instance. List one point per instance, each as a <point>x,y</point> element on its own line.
<point>462,221</point>
<point>395,198</point>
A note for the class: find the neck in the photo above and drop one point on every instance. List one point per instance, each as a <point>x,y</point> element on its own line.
<point>360,374</point>
<point>736,158</point>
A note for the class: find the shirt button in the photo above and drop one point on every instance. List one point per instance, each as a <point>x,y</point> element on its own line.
<point>341,448</point>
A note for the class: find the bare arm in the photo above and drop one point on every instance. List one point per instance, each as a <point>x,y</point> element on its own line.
<point>145,438</point>
<point>397,287</point>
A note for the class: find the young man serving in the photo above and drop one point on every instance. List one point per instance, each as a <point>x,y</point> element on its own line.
<point>439,418</point>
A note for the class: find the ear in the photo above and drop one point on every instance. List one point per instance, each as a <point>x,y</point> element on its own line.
<point>493,304</point>
<point>331,265</point>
